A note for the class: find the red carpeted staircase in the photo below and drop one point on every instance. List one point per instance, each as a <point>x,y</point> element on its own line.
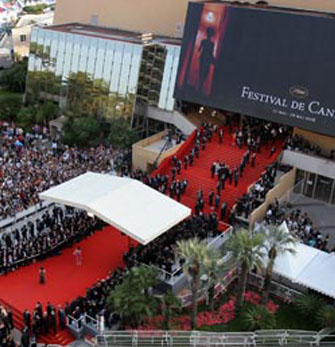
<point>63,337</point>
<point>199,175</point>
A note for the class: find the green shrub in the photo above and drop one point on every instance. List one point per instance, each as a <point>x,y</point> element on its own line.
<point>326,316</point>
<point>309,304</point>
<point>36,9</point>
<point>258,317</point>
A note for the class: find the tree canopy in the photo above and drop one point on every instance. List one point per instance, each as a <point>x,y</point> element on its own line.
<point>15,77</point>
<point>130,299</point>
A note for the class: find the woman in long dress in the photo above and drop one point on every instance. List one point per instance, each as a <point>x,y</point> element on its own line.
<point>78,256</point>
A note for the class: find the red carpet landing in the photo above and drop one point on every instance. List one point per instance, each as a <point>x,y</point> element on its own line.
<point>64,279</point>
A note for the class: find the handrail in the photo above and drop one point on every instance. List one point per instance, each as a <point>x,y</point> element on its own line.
<point>76,322</point>
<point>278,289</point>
<point>168,141</point>
<point>168,275</point>
<point>134,338</point>
<point>297,186</point>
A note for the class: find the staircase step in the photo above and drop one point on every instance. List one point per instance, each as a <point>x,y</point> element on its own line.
<point>199,176</point>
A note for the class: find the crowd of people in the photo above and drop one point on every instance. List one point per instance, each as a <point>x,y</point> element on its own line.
<point>298,143</point>
<point>6,327</point>
<point>32,162</point>
<point>256,195</point>
<point>161,252</point>
<point>45,236</point>
<point>299,223</point>
<point>94,303</point>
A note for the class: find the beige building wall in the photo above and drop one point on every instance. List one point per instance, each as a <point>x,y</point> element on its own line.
<point>165,17</point>
<point>21,48</point>
<point>285,183</point>
<point>144,158</point>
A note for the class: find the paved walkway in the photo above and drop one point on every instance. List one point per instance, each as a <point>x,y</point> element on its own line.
<point>321,214</point>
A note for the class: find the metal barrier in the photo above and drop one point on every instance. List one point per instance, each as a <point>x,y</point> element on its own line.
<point>268,338</point>
<point>219,288</point>
<point>279,290</point>
<point>292,194</point>
<point>18,217</point>
<point>216,242</point>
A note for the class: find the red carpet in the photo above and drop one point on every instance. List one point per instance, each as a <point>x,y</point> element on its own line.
<point>104,250</point>
<point>64,280</point>
<point>199,175</point>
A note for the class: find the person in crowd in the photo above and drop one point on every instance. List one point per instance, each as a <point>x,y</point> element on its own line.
<point>42,273</point>
<point>78,256</point>
<point>223,211</point>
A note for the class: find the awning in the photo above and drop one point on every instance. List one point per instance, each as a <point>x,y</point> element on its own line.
<point>129,205</point>
<point>319,275</point>
<point>309,267</point>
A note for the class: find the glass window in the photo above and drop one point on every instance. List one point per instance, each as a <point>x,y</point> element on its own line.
<point>54,50</point>
<point>323,188</point>
<point>68,55</point>
<point>125,69</point>
<point>107,68</point>
<point>39,50</point>
<point>92,54</point>
<point>171,101</point>
<point>166,79</point>
<point>101,54</point>
<point>116,67</point>
<point>333,192</point>
<point>94,20</point>
<point>77,39</point>
<point>135,68</point>
<point>309,184</point>
<point>83,55</point>
<point>60,55</point>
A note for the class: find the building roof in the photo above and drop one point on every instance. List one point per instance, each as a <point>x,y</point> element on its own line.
<point>110,33</point>
<point>129,205</point>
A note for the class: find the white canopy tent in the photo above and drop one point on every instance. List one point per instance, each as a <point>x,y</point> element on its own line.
<point>129,205</point>
<point>308,267</point>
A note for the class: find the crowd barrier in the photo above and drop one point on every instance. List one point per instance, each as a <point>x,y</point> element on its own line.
<point>9,222</point>
<point>268,338</point>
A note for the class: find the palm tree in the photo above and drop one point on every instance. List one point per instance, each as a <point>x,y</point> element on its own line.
<point>278,241</point>
<point>194,252</point>
<point>213,268</point>
<point>246,250</point>
<point>130,299</point>
<point>170,305</point>
<point>144,277</point>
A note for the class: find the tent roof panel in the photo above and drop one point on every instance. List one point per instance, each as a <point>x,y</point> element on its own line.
<point>136,209</point>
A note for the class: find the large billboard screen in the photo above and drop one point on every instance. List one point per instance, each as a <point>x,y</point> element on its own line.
<point>274,65</point>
